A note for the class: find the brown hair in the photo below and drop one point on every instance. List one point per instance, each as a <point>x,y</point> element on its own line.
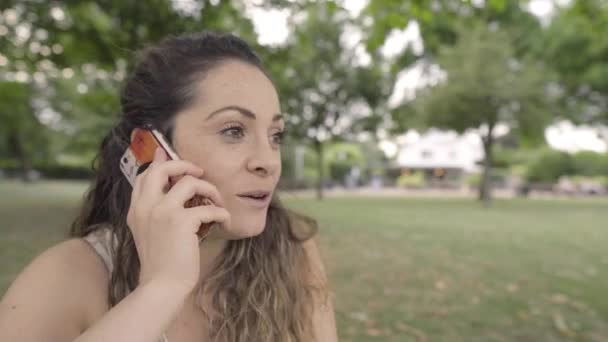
<point>260,287</point>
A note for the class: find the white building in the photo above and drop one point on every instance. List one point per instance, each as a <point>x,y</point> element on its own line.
<point>448,150</point>
<point>565,136</point>
<point>439,149</point>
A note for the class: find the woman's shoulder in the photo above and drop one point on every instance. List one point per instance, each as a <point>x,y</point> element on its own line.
<point>80,260</point>
<point>66,282</point>
<point>87,273</point>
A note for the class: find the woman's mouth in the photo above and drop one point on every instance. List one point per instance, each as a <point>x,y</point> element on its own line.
<point>256,198</point>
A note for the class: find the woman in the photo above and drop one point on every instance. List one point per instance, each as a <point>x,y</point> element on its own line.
<point>134,270</point>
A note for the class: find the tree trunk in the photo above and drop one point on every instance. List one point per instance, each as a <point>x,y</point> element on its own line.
<point>319,151</point>
<point>485,187</point>
<point>17,150</point>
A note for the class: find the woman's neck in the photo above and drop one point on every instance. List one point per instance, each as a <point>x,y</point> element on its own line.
<point>211,249</point>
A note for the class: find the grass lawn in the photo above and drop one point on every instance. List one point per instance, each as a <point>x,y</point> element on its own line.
<point>412,269</point>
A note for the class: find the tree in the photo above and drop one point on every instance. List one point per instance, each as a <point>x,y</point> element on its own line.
<point>439,22</point>
<point>486,85</point>
<point>19,127</point>
<point>575,46</point>
<point>72,56</point>
<point>326,93</point>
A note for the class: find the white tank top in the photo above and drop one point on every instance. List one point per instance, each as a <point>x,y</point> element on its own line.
<point>101,240</point>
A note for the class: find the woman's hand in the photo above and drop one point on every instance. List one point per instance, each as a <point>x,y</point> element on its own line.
<point>163,230</point>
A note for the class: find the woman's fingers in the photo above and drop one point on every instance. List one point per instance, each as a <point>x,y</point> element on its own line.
<point>159,157</point>
<point>157,177</point>
<point>207,214</point>
<point>135,194</point>
<point>188,186</point>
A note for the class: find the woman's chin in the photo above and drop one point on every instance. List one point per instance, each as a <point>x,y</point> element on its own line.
<point>237,232</point>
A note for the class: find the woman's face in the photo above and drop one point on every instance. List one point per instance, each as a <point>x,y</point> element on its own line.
<point>233,132</point>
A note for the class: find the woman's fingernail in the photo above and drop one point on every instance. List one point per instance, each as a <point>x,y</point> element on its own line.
<point>158,152</point>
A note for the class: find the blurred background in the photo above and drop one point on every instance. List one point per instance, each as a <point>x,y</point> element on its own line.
<point>454,152</point>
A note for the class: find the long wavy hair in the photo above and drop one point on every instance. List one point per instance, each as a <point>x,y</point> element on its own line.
<point>260,287</point>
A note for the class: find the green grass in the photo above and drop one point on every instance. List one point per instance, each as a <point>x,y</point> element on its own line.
<point>412,269</point>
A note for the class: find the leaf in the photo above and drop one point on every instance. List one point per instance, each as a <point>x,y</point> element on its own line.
<point>417,333</point>
<point>440,285</point>
<point>512,287</point>
<point>374,332</point>
<point>560,324</point>
<point>523,315</point>
<point>359,316</point>
<point>559,298</point>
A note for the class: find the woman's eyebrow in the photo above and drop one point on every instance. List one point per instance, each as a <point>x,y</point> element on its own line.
<point>244,111</point>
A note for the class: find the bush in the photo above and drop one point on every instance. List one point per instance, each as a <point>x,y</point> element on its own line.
<point>504,158</point>
<point>498,178</point>
<point>549,166</point>
<point>590,164</point>
<point>339,169</point>
<point>51,171</point>
<point>65,172</point>
<point>341,157</point>
<point>413,180</point>
<point>473,180</point>
<point>578,180</point>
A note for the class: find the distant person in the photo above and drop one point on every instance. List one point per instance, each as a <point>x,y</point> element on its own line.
<point>135,269</point>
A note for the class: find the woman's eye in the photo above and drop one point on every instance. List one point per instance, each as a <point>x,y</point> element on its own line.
<point>278,137</point>
<point>233,132</point>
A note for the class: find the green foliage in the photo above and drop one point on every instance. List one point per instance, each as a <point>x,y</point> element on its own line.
<point>74,57</point>
<point>575,46</point>
<point>487,85</point>
<point>325,93</point>
<point>341,158</point>
<point>342,151</point>
<point>54,171</point>
<point>497,177</point>
<point>22,136</point>
<point>503,158</point>
<point>590,164</point>
<point>439,21</point>
<point>549,166</point>
<point>15,108</point>
<point>579,180</point>
<point>320,81</point>
<point>338,170</point>
<point>412,180</point>
<point>491,76</point>
<point>473,180</point>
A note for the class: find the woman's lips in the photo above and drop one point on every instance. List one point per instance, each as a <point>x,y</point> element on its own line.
<point>259,202</point>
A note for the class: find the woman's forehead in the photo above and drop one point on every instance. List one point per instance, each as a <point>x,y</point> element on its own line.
<point>237,83</point>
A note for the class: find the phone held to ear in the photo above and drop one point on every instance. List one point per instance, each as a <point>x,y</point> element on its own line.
<point>140,154</point>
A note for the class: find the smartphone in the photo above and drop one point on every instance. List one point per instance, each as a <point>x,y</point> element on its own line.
<point>139,155</point>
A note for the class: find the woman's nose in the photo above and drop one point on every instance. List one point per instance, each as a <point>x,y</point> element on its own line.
<point>264,160</point>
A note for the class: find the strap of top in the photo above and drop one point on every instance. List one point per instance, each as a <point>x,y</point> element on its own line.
<point>101,240</point>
